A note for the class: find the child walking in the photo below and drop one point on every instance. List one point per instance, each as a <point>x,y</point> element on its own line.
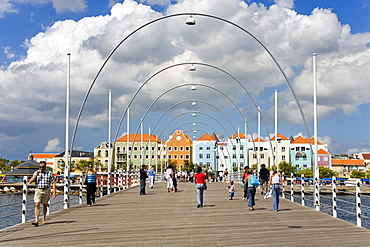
<point>231,187</point>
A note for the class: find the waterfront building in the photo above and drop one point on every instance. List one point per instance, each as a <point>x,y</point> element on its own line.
<point>140,148</point>
<point>177,149</point>
<point>101,155</point>
<point>204,151</point>
<point>75,157</point>
<point>222,156</point>
<point>283,149</point>
<point>259,153</point>
<point>301,153</point>
<point>238,151</point>
<point>324,158</point>
<point>47,157</point>
<point>365,157</point>
<point>344,167</point>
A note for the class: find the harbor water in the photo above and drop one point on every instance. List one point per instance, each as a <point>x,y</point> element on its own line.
<point>11,207</point>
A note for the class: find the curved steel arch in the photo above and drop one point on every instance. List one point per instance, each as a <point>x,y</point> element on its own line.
<point>181,14</point>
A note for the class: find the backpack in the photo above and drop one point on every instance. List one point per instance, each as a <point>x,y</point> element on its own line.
<point>254,180</point>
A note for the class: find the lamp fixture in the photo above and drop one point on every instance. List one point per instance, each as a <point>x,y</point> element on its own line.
<point>190,21</point>
<point>193,88</point>
<point>194,103</point>
<point>192,68</point>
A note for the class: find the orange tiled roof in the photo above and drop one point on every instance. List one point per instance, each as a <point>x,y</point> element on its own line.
<point>300,139</point>
<point>256,140</point>
<point>236,135</point>
<point>322,151</point>
<point>347,162</point>
<point>281,136</point>
<point>44,155</point>
<point>138,138</point>
<point>206,137</point>
<point>366,156</point>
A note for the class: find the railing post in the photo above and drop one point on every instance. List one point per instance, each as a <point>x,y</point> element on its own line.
<point>24,200</point>
<point>119,180</point>
<point>291,188</point>
<point>80,192</point>
<point>302,190</point>
<point>115,182</point>
<point>283,186</point>
<point>101,185</point>
<point>358,203</point>
<point>108,183</point>
<point>334,196</point>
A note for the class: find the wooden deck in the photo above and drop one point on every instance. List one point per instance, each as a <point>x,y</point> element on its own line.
<point>172,219</point>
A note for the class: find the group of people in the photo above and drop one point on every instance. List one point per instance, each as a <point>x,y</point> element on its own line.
<point>269,181</point>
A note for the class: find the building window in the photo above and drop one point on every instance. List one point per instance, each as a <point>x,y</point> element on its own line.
<point>175,148</point>
<point>200,148</point>
<point>106,153</point>
<point>303,149</point>
<point>135,148</point>
<point>175,157</point>
<point>129,148</point>
<point>146,156</point>
<point>254,156</point>
<point>200,163</point>
<point>181,148</point>
<point>208,156</point>
<point>241,164</point>
<point>208,148</point>
<point>282,149</point>
<point>283,157</point>
<point>200,156</point>
<point>221,148</point>
<point>241,147</point>
<point>187,148</point>
<point>242,156</point>
<point>135,156</point>
<point>181,157</point>
<point>234,164</point>
<point>234,156</point>
<point>234,147</point>
<point>169,148</point>
<point>99,153</point>
<point>262,156</point>
<point>208,164</point>
<point>187,156</point>
<point>226,157</point>
<point>169,156</point>
<point>298,149</point>
<point>325,158</point>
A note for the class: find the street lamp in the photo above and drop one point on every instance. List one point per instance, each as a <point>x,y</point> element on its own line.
<point>190,21</point>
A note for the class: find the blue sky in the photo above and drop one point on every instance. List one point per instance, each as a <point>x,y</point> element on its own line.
<point>37,37</point>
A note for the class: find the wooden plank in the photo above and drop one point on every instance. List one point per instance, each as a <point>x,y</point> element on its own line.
<point>172,219</point>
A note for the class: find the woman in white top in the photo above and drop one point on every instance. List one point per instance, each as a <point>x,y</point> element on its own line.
<point>274,183</point>
<point>169,177</point>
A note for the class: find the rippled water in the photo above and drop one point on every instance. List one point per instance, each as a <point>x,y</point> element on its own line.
<point>11,207</point>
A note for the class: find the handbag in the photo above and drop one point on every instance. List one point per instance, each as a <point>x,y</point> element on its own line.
<point>205,187</point>
<point>254,180</point>
<point>268,194</point>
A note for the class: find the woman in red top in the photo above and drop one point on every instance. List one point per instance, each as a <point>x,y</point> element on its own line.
<point>200,181</point>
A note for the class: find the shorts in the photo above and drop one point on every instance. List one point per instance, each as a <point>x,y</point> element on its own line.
<point>231,194</point>
<point>42,195</point>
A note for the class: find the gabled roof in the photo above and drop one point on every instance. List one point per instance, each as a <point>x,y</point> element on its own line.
<point>322,151</point>
<point>137,138</point>
<point>256,140</point>
<point>206,137</point>
<point>236,135</point>
<point>366,156</point>
<point>280,136</point>
<point>348,162</point>
<point>300,139</point>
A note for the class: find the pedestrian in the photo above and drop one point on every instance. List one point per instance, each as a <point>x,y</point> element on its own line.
<point>90,182</point>
<point>232,189</point>
<point>220,176</point>
<point>226,173</point>
<point>251,190</point>
<point>151,174</point>
<point>44,180</point>
<point>264,178</point>
<point>200,185</point>
<point>209,174</point>
<point>169,175</point>
<point>244,175</point>
<point>143,177</point>
<point>274,183</point>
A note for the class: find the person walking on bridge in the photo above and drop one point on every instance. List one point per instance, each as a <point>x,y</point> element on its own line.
<point>200,185</point>
<point>275,183</point>
<point>90,182</point>
<point>44,181</point>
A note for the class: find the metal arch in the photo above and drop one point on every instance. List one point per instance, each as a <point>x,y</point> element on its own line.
<point>181,14</point>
